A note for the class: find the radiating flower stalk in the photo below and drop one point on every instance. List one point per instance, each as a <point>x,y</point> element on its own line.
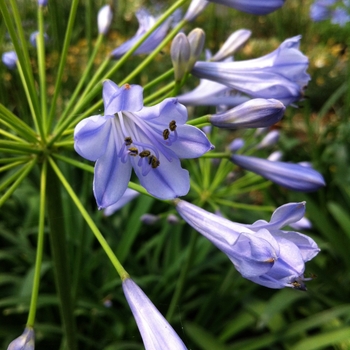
<point>150,136</point>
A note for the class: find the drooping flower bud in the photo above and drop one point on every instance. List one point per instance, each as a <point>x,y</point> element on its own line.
<point>254,113</point>
<point>42,2</point>
<point>234,42</point>
<point>180,54</point>
<point>24,341</point>
<point>104,19</point>
<point>269,139</point>
<point>195,8</point>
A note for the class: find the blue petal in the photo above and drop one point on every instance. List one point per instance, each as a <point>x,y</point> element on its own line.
<point>128,196</point>
<point>167,181</point>
<point>91,136</point>
<point>191,142</point>
<point>125,98</point>
<point>111,176</point>
<point>283,216</point>
<point>163,113</point>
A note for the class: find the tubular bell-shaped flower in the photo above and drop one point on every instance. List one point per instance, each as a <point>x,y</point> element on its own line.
<point>195,8</point>
<point>104,19</point>
<point>146,22</point>
<point>149,139</point>
<point>292,176</point>
<point>155,330</point>
<point>261,252</point>
<point>280,74</point>
<point>255,7</point>
<point>256,113</point>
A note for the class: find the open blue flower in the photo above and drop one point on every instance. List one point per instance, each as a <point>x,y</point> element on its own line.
<point>261,252</point>
<point>156,332</point>
<point>280,75</point>
<point>146,22</point>
<point>149,139</point>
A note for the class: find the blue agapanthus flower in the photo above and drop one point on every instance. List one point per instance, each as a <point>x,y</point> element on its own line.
<point>146,22</point>
<point>338,11</point>
<point>10,59</point>
<point>261,252</point>
<point>150,140</point>
<point>280,75</point>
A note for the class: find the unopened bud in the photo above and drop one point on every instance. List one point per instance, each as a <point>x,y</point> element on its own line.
<point>236,144</point>
<point>23,342</point>
<point>149,219</point>
<point>234,42</point>
<point>180,55</point>
<point>196,39</point>
<point>195,8</point>
<point>104,19</point>
<point>269,139</point>
<point>172,219</point>
<point>254,113</point>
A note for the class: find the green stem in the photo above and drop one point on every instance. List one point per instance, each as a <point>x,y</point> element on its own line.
<point>72,100</point>
<point>236,205</point>
<point>20,176</point>
<point>157,80</point>
<point>42,71</point>
<point>114,260</point>
<point>224,155</point>
<point>11,165</point>
<point>59,257</point>
<point>20,44</point>
<point>63,59</point>
<point>164,90</point>
<point>183,276</point>
<point>200,120</point>
<point>16,124</point>
<point>39,249</point>
<point>19,146</point>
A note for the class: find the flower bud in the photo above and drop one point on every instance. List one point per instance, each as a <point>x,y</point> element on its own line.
<point>269,140</point>
<point>234,42</point>
<point>292,176</point>
<point>254,113</point>
<point>104,19</point>
<point>23,342</point>
<point>195,8</point>
<point>32,38</point>
<point>42,2</point>
<point>196,39</point>
<point>10,59</point>
<point>236,144</point>
<point>172,219</point>
<point>275,156</point>
<point>180,54</point>
<point>149,219</point>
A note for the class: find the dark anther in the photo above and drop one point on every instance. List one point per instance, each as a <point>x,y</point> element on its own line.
<point>172,125</point>
<point>133,151</point>
<point>128,141</point>
<point>166,134</point>
<point>144,154</point>
<point>153,161</point>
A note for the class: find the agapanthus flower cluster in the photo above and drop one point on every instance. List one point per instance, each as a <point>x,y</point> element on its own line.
<point>338,11</point>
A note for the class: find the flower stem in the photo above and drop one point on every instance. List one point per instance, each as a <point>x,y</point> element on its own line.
<point>20,176</point>
<point>63,58</point>
<point>39,249</point>
<point>114,260</point>
<point>198,121</point>
<point>59,256</point>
